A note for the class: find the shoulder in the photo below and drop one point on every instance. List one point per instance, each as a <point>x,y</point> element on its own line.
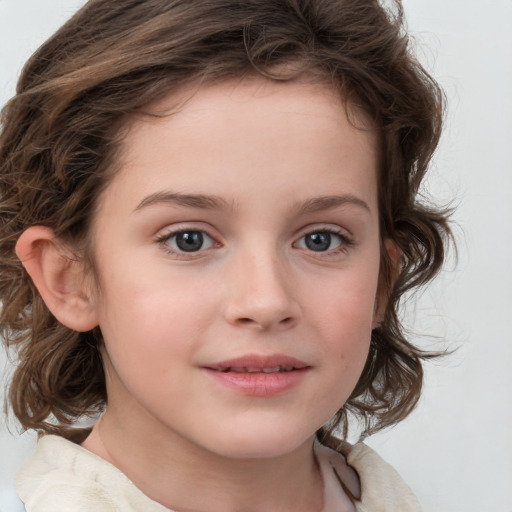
<point>62,476</point>
<point>381,487</point>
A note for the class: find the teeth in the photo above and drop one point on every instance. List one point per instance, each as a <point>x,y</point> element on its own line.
<point>237,370</point>
<point>275,369</point>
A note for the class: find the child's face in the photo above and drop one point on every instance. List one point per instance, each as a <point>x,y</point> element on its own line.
<point>239,237</point>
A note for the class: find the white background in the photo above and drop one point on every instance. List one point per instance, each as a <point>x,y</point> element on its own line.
<point>456,449</point>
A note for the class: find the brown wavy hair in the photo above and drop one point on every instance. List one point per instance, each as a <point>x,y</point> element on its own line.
<point>61,131</point>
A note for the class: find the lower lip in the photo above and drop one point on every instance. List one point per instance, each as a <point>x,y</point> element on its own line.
<point>259,384</point>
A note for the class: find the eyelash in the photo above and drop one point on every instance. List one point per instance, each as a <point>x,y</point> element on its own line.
<point>165,238</point>
<point>345,242</point>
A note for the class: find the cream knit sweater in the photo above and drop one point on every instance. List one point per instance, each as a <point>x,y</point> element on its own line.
<point>63,477</point>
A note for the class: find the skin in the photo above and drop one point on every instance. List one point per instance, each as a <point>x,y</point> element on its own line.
<point>284,165</point>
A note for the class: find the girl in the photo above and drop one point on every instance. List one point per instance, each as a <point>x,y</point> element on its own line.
<point>209,217</point>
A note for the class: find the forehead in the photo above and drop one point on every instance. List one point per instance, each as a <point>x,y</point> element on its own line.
<point>248,102</point>
<point>284,132</point>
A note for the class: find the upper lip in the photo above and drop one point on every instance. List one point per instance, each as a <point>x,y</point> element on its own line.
<point>259,363</point>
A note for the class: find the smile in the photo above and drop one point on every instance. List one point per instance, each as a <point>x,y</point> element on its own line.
<point>255,375</point>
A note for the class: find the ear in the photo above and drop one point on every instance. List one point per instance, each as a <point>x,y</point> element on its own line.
<point>393,254</point>
<point>58,276</point>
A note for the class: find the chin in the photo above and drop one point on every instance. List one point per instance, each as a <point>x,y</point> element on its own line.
<point>260,443</point>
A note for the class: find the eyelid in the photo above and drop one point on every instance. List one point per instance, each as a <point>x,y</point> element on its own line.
<point>325,228</point>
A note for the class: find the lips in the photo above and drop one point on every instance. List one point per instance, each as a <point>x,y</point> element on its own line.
<point>254,363</point>
<point>243,369</point>
<point>258,375</point>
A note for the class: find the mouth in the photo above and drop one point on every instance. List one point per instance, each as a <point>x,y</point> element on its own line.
<point>253,363</point>
<point>243,369</point>
<point>259,375</point>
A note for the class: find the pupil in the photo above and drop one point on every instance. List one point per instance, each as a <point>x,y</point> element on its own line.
<point>190,241</point>
<point>318,241</point>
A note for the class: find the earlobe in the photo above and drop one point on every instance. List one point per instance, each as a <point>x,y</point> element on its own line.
<point>58,277</point>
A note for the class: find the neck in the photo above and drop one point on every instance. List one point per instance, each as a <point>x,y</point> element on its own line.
<point>182,476</point>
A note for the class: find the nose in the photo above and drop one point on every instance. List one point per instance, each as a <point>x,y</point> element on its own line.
<point>261,293</point>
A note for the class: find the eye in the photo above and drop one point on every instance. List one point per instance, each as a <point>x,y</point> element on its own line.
<point>323,241</point>
<point>188,241</point>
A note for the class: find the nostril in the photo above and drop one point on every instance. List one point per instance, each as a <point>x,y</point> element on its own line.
<point>250,321</point>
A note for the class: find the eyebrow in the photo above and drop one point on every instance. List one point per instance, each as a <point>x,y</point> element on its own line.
<point>190,200</point>
<point>328,202</point>
<point>206,202</point>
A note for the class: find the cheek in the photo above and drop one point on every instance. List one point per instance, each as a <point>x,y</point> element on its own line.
<point>347,306</point>
<point>153,318</point>
<point>144,338</point>
<point>346,334</point>
<point>344,322</point>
